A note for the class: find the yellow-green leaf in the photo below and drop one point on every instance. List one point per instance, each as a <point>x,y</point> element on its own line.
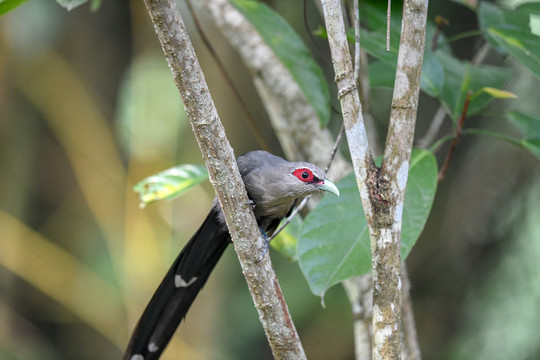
<point>170,183</point>
<point>498,93</point>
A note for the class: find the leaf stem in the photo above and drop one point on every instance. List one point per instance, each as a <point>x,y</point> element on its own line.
<point>455,140</point>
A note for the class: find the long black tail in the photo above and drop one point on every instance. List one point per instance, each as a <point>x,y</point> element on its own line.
<point>178,290</point>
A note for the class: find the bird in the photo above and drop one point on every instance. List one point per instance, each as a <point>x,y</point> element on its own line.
<point>274,187</point>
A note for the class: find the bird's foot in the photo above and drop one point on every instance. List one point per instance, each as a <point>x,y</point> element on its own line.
<point>252,204</point>
<point>266,244</point>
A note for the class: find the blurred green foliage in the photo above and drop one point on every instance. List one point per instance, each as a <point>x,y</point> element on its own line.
<point>500,320</point>
<point>88,108</point>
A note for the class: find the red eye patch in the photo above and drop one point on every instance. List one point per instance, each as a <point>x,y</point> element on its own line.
<point>304,175</point>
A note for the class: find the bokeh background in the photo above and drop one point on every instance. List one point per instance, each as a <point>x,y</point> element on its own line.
<point>88,108</point>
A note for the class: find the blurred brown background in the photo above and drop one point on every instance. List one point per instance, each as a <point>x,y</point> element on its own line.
<point>88,108</point>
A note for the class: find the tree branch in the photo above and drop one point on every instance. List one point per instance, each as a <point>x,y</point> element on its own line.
<point>225,178</point>
<point>361,76</point>
<point>392,182</point>
<point>382,192</point>
<point>349,99</point>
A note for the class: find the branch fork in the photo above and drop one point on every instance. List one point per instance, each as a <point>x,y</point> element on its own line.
<point>382,190</point>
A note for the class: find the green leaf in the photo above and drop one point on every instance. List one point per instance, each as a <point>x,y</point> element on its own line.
<point>373,32</point>
<point>528,124</point>
<point>8,5</point>
<point>419,196</point>
<point>509,32</point>
<point>334,244</point>
<point>432,74</point>
<point>373,15</point>
<point>285,242</point>
<point>533,145</point>
<point>375,45</point>
<point>373,40</point>
<point>170,183</point>
<point>292,52</point>
<point>531,8</point>
<point>381,74</point>
<point>461,77</point>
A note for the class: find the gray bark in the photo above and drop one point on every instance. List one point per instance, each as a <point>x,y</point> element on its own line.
<point>225,178</point>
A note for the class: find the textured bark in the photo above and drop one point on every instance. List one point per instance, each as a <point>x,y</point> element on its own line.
<point>350,102</point>
<point>382,190</point>
<point>225,178</point>
<point>392,183</point>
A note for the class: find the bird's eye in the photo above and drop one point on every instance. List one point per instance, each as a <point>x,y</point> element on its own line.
<point>304,175</point>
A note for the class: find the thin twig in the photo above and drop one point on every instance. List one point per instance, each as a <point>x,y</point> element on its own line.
<point>305,200</point>
<point>243,106</point>
<point>335,148</point>
<point>361,76</point>
<point>388,18</point>
<point>353,119</point>
<point>434,127</point>
<point>358,290</point>
<point>455,141</point>
<point>481,53</point>
<point>411,338</point>
<point>356,21</point>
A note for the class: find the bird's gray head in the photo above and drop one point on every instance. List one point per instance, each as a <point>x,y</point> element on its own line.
<point>274,184</point>
<point>304,179</point>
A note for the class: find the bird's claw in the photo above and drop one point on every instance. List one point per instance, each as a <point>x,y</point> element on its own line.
<point>266,244</point>
<point>252,204</point>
